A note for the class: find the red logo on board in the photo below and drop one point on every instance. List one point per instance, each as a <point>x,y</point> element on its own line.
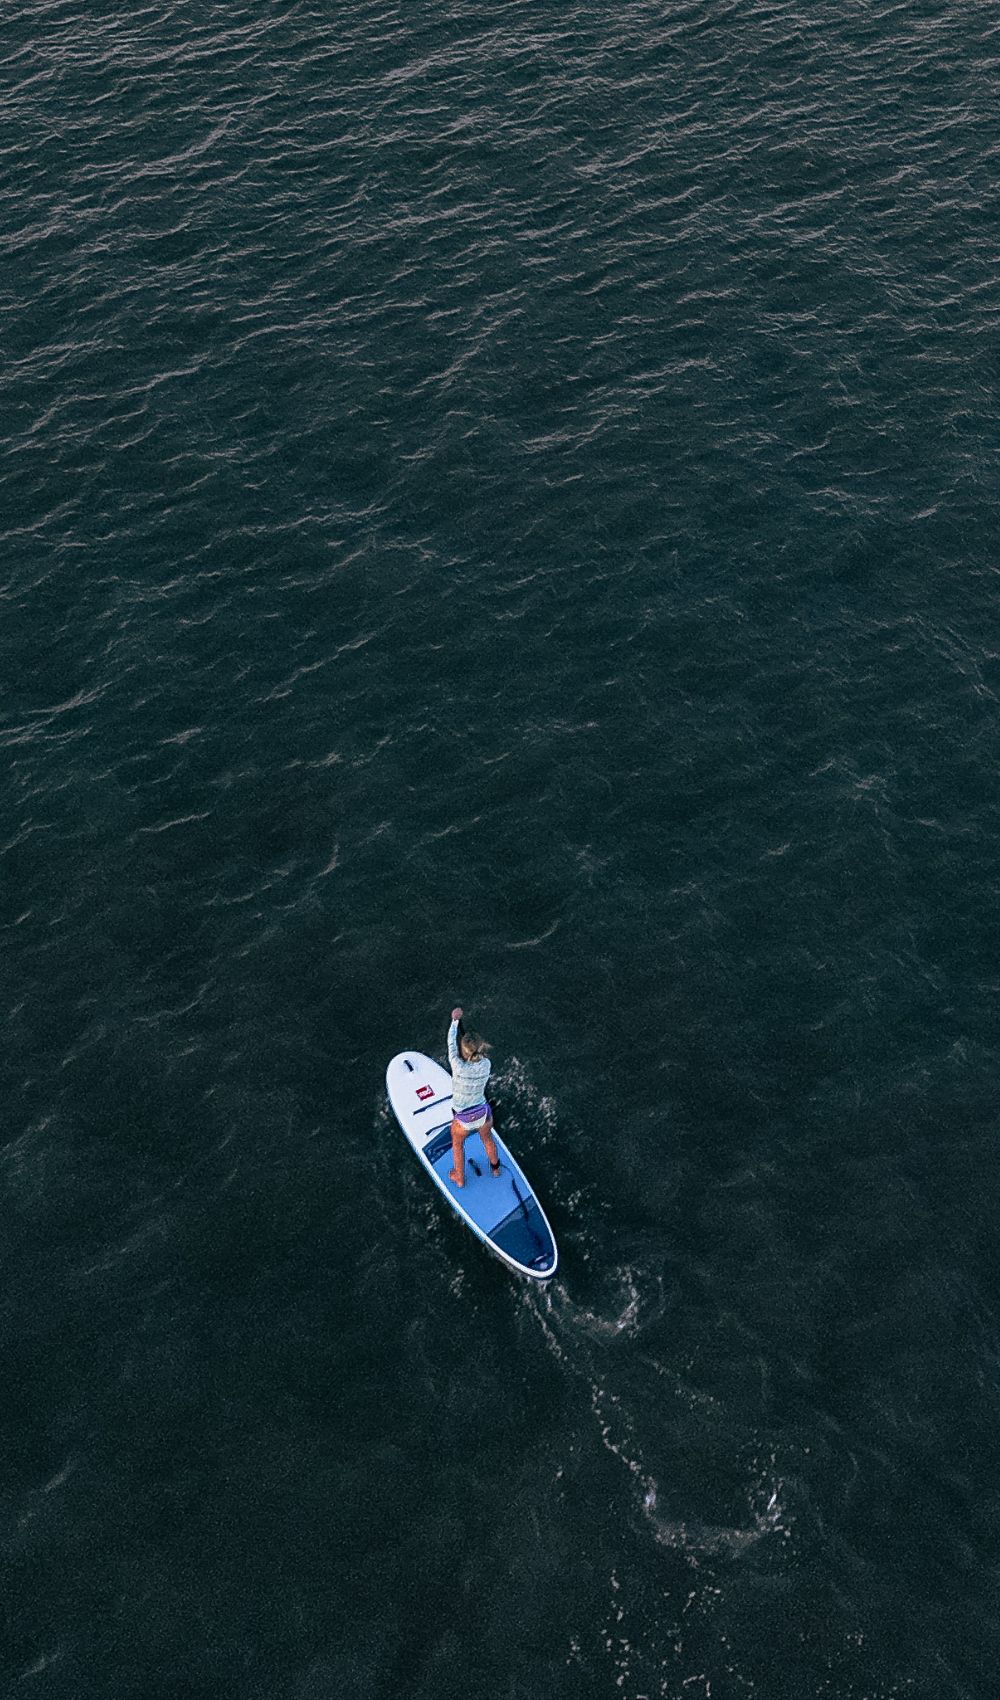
<point>425,1091</point>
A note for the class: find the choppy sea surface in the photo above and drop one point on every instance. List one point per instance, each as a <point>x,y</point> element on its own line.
<point>499,504</point>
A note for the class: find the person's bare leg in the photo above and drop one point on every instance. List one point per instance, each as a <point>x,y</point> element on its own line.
<point>490,1146</point>
<point>458,1137</point>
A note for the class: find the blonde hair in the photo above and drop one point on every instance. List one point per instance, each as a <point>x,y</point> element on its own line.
<point>476,1047</point>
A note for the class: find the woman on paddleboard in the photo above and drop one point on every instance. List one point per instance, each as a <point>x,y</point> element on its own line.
<point>470,1070</point>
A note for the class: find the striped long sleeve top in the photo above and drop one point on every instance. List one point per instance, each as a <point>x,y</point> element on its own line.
<point>468,1078</point>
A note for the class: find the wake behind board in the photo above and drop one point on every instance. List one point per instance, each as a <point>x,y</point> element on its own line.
<point>502,1211</point>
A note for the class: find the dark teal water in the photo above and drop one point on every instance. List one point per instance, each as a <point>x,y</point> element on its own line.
<point>499,505</point>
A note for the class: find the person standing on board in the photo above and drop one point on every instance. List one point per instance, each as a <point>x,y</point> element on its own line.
<point>470,1070</point>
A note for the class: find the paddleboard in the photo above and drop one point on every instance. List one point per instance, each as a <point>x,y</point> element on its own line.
<point>502,1211</point>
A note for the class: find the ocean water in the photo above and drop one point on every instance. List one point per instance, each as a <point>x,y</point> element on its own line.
<point>499,505</point>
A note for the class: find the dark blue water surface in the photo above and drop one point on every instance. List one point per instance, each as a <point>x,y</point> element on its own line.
<point>499,505</point>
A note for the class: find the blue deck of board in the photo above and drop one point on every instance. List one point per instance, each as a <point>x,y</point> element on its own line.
<point>503,1208</point>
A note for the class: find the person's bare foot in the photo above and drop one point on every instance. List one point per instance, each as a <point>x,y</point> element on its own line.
<point>452,1176</point>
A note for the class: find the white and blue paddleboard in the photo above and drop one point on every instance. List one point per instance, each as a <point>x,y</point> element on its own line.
<point>502,1211</point>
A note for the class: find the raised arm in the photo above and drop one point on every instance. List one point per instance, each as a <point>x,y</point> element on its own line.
<point>453,1053</point>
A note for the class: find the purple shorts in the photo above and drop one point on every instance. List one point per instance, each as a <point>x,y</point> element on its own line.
<point>475,1118</point>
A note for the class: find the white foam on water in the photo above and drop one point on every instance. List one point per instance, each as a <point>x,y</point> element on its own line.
<point>626,1321</point>
<point>708,1540</point>
<point>41,1664</point>
<point>573,1334</point>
